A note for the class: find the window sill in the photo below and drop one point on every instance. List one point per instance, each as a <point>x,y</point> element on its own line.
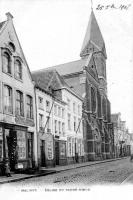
<point>18,79</point>
<point>8,74</point>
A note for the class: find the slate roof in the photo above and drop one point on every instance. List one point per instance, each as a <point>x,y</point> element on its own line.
<point>93,35</point>
<point>50,78</point>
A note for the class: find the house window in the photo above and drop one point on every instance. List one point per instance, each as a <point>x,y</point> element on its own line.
<point>8,108</point>
<point>40,102</point>
<point>18,69</point>
<point>74,124</point>
<point>6,63</point>
<point>63,112</point>
<point>69,122</point>
<point>55,123</point>
<point>40,121</point>
<point>59,127</point>
<point>59,111</point>
<point>55,110</point>
<point>79,125</point>
<point>47,106</point>
<point>63,129</point>
<point>104,107</point>
<point>74,108</point>
<point>68,104</point>
<point>79,112</point>
<point>48,127</point>
<point>19,103</point>
<point>29,107</point>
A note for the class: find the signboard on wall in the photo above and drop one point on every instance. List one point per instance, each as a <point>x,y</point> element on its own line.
<point>49,147</point>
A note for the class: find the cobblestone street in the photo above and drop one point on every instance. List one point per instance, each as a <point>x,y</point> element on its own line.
<point>114,172</point>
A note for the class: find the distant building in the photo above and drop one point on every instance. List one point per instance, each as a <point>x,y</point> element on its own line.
<point>121,136</point>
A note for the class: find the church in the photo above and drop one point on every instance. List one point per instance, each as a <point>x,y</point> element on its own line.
<point>87,77</point>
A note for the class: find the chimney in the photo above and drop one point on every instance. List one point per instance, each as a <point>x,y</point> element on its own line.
<point>9,16</point>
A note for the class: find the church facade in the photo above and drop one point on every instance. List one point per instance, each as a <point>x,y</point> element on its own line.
<point>87,77</point>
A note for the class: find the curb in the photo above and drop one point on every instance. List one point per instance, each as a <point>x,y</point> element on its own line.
<point>54,172</point>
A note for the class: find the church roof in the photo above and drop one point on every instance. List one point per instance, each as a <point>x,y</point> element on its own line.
<point>68,68</point>
<point>93,36</point>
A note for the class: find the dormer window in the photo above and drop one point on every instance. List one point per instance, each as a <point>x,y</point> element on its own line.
<point>6,63</point>
<point>18,69</point>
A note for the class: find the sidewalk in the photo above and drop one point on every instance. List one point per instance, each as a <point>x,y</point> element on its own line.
<point>47,171</point>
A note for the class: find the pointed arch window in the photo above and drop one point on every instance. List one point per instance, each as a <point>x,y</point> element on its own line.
<point>6,63</point>
<point>104,109</point>
<point>93,100</point>
<point>18,69</point>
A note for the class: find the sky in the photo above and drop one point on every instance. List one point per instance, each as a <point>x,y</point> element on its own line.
<point>51,32</point>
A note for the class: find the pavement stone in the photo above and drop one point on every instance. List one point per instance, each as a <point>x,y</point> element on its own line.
<point>47,171</point>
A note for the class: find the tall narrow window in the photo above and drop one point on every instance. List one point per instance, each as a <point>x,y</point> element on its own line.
<point>29,107</point>
<point>69,122</point>
<point>93,100</point>
<point>8,108</point>
<point>74,107</point>
<point>59,127</point>
<point>18,69</point>
<point>47,106</point>
<point>55,123</point>
<point>74,124</point>
<point>63,129</point>
<point>6,63</point>
<point>68,104</point>
<point>40,103</point>
<point>40,121</point>
<point>19,103</point>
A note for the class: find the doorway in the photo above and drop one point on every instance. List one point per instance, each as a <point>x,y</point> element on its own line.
<point>42,151</point>
<point>57,152</point>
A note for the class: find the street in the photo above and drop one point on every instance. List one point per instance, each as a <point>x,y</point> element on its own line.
<point>114,172</point>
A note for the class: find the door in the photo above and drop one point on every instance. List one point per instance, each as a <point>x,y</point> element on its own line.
<point>57,152</point>
<point>30,148</point>
<point>42,151</point>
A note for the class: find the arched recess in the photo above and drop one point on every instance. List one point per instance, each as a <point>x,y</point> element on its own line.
<point>98,142</point>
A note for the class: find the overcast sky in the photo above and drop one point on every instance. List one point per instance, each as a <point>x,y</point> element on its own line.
<point>51,32</point>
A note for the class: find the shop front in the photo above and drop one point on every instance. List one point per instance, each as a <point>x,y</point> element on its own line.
<point>16,147</point>
<point>60,152</point>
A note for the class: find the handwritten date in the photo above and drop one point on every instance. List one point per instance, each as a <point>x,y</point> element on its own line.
<point>113,6</point>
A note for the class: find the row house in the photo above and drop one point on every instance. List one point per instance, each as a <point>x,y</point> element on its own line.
<point>64,119</point>
<point>18,145</point>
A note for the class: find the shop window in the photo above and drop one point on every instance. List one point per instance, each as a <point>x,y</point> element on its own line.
<point>21,143</point>
<point>6,63</point>
<point>29,107</point>
<point>8,107</point>
<point>18,69</point>
<point>19,103</point>
<point>62,150</point>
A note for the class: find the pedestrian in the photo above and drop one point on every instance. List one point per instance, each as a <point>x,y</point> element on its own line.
<point>7,170</point>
